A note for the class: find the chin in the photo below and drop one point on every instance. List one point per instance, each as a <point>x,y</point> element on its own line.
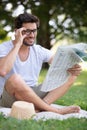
<point>28,44</point>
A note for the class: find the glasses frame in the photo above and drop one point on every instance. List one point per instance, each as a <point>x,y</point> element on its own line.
<point>28,31</point>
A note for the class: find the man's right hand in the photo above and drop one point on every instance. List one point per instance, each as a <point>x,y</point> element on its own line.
<point>19,36</point>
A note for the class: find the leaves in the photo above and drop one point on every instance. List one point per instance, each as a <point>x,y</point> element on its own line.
<point>65,18</point>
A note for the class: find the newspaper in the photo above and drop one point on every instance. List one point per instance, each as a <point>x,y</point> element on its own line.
<point>65,57</point>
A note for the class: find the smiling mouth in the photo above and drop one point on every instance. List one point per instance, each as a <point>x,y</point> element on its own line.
<point>28,42</point>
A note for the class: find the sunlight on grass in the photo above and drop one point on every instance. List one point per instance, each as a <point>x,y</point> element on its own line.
<point>82,77</point>
<point>78,83</point>
<point>84,66</point>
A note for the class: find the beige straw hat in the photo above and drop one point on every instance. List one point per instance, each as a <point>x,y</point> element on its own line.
<point>22,110</point>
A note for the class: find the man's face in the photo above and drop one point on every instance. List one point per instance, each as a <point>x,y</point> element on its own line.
<point>30,32</point>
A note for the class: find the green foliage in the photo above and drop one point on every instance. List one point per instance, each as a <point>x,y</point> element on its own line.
<point>5,39</point>
<point>2,34</point>
<point>42,75</point>
<point>58,17</point>
<point>69,124</point>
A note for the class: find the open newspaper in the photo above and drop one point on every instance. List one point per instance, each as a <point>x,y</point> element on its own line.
<point>65,57</point>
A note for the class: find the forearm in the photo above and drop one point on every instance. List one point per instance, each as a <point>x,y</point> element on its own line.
<point>59,91</point>
<point>65,87</point>
<point>6,63</point>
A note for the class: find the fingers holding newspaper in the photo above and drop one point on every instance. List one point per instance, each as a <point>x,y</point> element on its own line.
<point>75,70</point>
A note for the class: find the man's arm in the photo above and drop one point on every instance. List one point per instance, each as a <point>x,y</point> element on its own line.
<point>60,91</point>
<point>51,59</point>
<point>6,63</point>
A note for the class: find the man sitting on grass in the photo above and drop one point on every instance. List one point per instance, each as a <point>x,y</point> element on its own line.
<point>20,64</point>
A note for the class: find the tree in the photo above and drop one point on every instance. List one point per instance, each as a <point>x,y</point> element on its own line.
<point>58,18</point>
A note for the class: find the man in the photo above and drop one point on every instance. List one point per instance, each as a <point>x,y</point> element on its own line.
<point>20,64</point>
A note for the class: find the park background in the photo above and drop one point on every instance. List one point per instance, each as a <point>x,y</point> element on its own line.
<point>62,22</point>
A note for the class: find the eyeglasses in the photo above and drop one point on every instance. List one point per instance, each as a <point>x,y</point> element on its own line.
<point>28,31</point>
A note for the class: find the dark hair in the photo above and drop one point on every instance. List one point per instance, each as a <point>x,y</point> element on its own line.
<point>26,18</point>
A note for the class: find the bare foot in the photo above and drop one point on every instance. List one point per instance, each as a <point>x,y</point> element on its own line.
<point>69,109</point>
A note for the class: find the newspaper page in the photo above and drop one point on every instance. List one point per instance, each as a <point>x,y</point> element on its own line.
<point>65,57</point>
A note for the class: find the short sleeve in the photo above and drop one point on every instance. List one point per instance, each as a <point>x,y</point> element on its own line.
<point>4,49</point>
<point>44,54</point>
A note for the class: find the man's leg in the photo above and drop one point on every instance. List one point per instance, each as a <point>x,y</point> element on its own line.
<point>16,87</point>
<point>6,99</point>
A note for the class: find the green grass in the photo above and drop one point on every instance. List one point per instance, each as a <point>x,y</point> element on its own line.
<point>76,95</point>
<point>69,124</point>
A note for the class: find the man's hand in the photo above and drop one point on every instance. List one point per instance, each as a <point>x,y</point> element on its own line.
<point>75,70</point>
<point>19,36</point>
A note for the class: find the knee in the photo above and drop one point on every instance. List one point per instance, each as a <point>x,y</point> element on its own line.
<point>13,80</point>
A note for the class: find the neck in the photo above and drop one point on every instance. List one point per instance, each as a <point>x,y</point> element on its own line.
<point>24,48</point>
<point>24,52</point>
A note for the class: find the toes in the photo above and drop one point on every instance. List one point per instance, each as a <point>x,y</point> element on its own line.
<point>75,109</point>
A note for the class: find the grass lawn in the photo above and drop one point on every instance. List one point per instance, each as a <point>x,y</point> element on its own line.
<point>76,95</point>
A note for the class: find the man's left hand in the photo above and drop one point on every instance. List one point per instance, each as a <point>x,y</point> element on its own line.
<point>75,70</point>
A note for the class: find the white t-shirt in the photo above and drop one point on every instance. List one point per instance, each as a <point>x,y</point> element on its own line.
<point>29,69</point>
